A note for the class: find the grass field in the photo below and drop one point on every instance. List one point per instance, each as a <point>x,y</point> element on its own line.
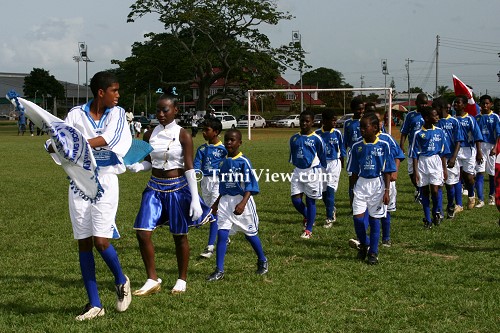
<point>442,280</point>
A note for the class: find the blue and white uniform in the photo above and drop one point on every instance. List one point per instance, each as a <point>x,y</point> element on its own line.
<point>453,134</point>
<point>167,200</point>
<point>489,125</point>
<point>207,160</point>
<point>413,122</point>
<point>428,146</point>
<point>334,150</point>
<point>471,133</point>
<point>352,133</point>
<point>369,161</point>
<point>308,155</point>
<point>98,218</point>
<point>397,153</point>
<point>236,176</point>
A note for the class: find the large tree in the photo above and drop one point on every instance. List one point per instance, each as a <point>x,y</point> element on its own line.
<point>222,34</point>
<point>39,82</point>
<point>326,78</point>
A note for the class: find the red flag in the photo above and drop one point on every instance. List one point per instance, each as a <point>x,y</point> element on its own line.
<point>462,89</point>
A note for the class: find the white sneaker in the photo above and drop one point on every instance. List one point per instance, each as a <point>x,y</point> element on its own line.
<point>480,204</point>
<point>180,287</point>
<point>90,312</point>
<point>328,224</point>
<point>458,209</point>
<point>465,192</point>
<point>123,296</point>
<point>208,252</point>
<point>150,287</point>
<point>471,203</point>
<point>354,243</point>
<point>306,234</point>
<point>491,200</point>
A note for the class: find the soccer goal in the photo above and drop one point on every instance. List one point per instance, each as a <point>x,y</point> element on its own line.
<point>386,92</point>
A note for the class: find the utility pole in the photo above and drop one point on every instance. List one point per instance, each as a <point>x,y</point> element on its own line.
<point>297,39</point>
<point>437,62</point>
<point>408,61</point>
<point>385,72</point>
<point>362,83</point>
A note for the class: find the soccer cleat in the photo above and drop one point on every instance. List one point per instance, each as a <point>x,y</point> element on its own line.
<point>150,287</point>
<point>362,251</point>
<point>479,204</point>
<point>90,312</point>
<point>491,200</point>
<point>372,259</point>
<point>208,252</point>
<point>427,224</point>
<point>438,218</point>
<point>458,209</point>
<point>465,192</point>
<point>334,218</point>
<point>387,243</point>
<point>228,241</point>
<point>451,212</point>
<point>180,287</point>
<point>354,243</point>
<point>417,197</point>
<point>123,295</point>
<point>306,234</point>
<point>216,275</point>
<point>328,224</point>
<point>471,202</point>
<point>262,267</point>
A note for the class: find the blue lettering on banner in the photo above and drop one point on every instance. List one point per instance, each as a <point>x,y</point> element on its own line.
<point>105,158</point>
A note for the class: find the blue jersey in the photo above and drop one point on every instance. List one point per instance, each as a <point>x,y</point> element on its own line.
<point>307,151</point>
<point>371,160</point>
<point>452,132</point>
<point>352,134</point>
<point>208,158</point>
<point>396,151</point>
<point>236,176</point>
<point>489,124</point>
<point>334,143</point>
<point>429,142</point>
<point>470,130</point>
<point>413,122</point>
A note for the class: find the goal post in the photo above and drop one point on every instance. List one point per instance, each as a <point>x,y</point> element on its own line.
<point>388,91</point>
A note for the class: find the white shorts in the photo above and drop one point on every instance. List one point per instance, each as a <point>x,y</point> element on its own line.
<point>453,174</point>
<point>488,164</point>
<point>392,197</point>
<point>466,159</point>
<point>95,219</point>
<point>430,170</point>
<point>369,193</point>
<point>307,181</point>
<point>410,165</point>
<point>209,189</point>
<point>248,222</point>
<point>332,174</point>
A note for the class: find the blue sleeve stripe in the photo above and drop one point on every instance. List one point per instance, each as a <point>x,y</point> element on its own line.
<point>118,132</point>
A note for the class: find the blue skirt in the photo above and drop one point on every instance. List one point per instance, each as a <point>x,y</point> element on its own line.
<point>167,201</point>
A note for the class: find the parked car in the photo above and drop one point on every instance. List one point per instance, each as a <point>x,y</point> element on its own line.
<point>274,120</point>
<point>153,121</point>
<point>143,120</point>
<point>317,120</point>
<point>290,121</point>
<point>255,121</point>
<point>221,113</point>
<point>227,121</point>
<point>340,122</point>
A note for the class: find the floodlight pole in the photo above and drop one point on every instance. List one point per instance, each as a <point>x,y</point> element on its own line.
<point>297,38</point>
<point>78,59</point>
<point>385,71</point>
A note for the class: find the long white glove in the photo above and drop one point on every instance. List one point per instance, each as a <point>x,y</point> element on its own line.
<point>142,166</point>
<point>195,210</point>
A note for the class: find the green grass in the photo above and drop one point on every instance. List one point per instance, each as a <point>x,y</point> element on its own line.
<point>441,280</point>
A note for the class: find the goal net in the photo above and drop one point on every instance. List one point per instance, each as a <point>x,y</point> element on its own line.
<point>385,95</point>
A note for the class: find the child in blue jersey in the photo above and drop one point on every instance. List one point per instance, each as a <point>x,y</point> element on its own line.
<point>453,137</point>
<point>307,154</point>
<point>489,124</point>
<point>371,165</point>
<point>428,151</point>
<point>413,122</point>
<point>235,204</point>
<point>352,133</point>
<point>207,160</point>
<point>470,152</point>
<point>335,153</point>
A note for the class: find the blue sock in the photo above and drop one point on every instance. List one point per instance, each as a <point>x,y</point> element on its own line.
<point>458,193</point>
<point>212,233</point>
<point>492,185</point>
<point>450,193</point>
<point>440,201</point>
<point>366,221</point>
<point>436,206</point>
<point>374,234</point>
<point>329,200</point>
<point>299,206</point>
<point>222,236</point>
<point>360,228</point>
<point>87,266</point>
<point>386,226</point>
<point>257,247</point>
<point>111,259</point>
<point>311,213</point>
<point>479,185</point>
<point>427,208</point>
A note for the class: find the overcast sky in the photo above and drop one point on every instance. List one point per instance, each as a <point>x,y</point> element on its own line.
<point>350,36</point>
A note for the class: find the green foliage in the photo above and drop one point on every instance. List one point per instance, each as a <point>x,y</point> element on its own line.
<point>40,81</point>
<point>416,90</point>
<point>326,78</point>
<point>440,280</point>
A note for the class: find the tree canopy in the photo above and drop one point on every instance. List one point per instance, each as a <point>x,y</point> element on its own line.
<point>201,36</point>
<point>325,78</point>
<point>39,82</point>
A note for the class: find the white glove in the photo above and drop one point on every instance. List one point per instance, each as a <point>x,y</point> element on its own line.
<point>137,167</point>
<point>195,210</point>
